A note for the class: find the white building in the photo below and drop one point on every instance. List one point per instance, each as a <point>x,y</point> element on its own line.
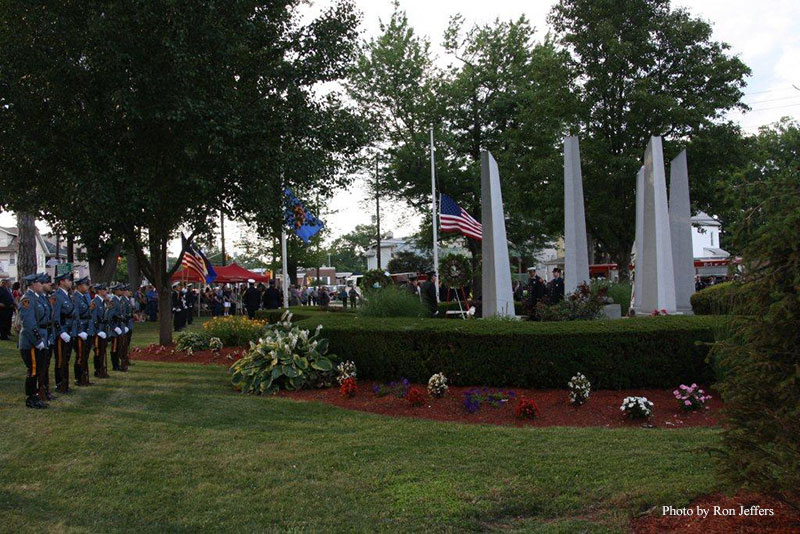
<point>9,250</point>
<point>706,234</point>
<point>389,247</point>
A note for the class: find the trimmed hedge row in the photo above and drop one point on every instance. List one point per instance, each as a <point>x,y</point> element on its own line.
<point>301,312</point>
<point>623,354</point>
<point>719,299</point>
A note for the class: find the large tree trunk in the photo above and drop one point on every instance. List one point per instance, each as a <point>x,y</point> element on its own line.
<point>134,272</point>
<point>102,267</point>
<point>623,259</point>
<point>161,281</point>
<point>70,249</point>
<point>26,256</point>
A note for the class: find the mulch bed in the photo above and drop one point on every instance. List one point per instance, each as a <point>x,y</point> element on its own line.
<point>601,410</point>
<point>784,518</point>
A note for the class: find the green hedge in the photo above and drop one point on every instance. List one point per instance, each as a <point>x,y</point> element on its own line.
<point>622,354</point>
<point>719,299</point>
<point>302,312</point>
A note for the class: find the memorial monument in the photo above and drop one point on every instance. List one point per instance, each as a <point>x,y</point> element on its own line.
<point>498,298</point>
<point>680,225</point>
<point>576,251</point>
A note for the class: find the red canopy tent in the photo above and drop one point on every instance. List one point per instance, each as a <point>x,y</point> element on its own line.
<point>229,274</point>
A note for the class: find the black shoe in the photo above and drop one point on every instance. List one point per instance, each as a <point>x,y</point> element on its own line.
<point>50,396</point>
<point>39,404</point>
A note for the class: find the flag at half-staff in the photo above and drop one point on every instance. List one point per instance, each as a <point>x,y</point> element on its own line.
<point>302,221</point>
<point>195,260</point>
<point>454,219</point>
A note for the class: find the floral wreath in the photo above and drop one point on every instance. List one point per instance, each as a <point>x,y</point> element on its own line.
<point>455,271</point>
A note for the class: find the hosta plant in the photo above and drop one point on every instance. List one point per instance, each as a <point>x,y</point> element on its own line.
<point>286,357</point>
<point>345,370</point>
<point>192,341</point>
<point>691,397</point>
<point>637,407</point>
<point>437,386</point>
<point>215,344</point>
<point>579,389</point>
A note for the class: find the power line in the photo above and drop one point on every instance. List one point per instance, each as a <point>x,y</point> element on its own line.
<point>773,99</point>
<point>776,107</point>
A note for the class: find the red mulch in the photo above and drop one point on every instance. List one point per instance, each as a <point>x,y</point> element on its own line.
<point>601,410</point>
<point>784,518</point>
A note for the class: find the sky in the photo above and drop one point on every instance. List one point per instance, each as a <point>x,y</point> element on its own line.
<point>765,34</point>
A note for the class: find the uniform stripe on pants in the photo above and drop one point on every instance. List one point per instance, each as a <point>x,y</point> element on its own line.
<point>33,362</point>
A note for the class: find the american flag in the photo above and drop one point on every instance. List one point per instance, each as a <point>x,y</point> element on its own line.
<point>195,260</point>
<point>454,219</point>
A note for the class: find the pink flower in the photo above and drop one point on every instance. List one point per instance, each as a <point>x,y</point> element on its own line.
<point>694,385</point>
<point>676,393</point>
<point>687,403</point>
<point>683,387</point>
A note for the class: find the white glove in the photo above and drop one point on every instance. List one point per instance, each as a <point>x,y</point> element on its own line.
<point>83,335</point>
<point>66,337</point>
<point>40,346</point>
<point>117,330</point>
<point>125,329</point>
<point>102,335</point>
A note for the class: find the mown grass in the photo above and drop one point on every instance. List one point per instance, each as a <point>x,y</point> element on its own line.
<point>170,448</point>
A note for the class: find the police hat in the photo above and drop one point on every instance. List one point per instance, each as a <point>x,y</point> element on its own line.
<point>84,280</point>
<point>532,269</point>
<point>31,278</point>
<point>99,287</point>
<point>44,278</point>
<point>62,276</point>
<point>176,284</point>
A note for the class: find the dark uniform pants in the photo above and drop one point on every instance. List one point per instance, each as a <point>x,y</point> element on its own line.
<point>63,352</point>
<point>45,372</point>
<point>5,322</point>
<point>116,349</point>
<point>35,363</point>
<point>100,364</point>
<point>82,350</point>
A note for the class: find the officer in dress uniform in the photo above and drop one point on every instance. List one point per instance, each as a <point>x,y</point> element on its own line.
<point>128,327</point>
<point>536,290</point>
<point>49,323</point>
<point>123,314</point>
<point>66,315</point>
<point>82,341</point>
<point>32,341</point>
<point>98,329</point>
<point>556,287</point>
<point>178,307</point>
<point>114,314</point>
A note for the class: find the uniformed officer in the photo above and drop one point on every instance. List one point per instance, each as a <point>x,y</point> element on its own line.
<point>65,314</point>
<point>32,341</point>
<point>115,320</point>
<point>128,328</point>
<point>49,324</point>
<point>82,341</point>
<point>98,329</point>
<point>178,307</point>
<point>536,290</point>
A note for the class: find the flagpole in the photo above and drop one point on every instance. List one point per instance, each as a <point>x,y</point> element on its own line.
<point>285,267</point>
<point>433,217</point>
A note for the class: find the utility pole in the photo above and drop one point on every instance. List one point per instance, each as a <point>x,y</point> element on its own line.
<point>378,212</point>
<point>222,235</point>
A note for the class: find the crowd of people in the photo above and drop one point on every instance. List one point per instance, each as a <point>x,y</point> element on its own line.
<point>57,318</point>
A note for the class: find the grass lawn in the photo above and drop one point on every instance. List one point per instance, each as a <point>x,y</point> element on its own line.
<point>171,448</point>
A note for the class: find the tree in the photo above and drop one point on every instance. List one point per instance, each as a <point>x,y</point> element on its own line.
<point>26,256</point>
<point>759,356</point>
<point>642,69</point>
<point>407,261</point>
<point>157,112</point>
<point>348,252</point>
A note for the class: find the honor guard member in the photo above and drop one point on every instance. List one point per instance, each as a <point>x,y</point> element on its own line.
<point>178,306</point>
<point>114,314</point>
<point>82,341</point>
<point>49,323</point>
<point>32,340</point>
<point>65,314</point>
<point>128,330</point>
<point>98,329</point>
<point>122,324</point>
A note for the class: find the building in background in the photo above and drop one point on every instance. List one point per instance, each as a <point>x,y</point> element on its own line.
<point>9,251</point>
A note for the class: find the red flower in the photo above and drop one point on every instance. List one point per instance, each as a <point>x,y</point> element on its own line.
<point>348,388</point>
<point>416,396</point>
<point>527,409</point>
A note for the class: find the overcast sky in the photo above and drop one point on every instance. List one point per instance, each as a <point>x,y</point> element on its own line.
<point>764,34</point>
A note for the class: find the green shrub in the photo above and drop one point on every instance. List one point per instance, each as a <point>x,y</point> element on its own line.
<point>192,340</point>
<point>301,312</point>
<point>627,353</point>
<point>234,330</point>
<point>392,301</point>
<point>582,304</point>
<point>286,357</point>
<point>719,299</point>
<point>620,293</point>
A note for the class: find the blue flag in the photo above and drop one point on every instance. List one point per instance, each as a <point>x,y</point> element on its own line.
<point>303,222</point>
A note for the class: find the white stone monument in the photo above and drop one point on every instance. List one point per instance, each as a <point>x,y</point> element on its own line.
<point>681,233</point>
<point>498,299</point>
<point>639,243</point>
<point>655,276</point>
<point>576,249</point>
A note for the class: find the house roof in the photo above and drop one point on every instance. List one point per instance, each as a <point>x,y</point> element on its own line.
<point>704,219</point>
